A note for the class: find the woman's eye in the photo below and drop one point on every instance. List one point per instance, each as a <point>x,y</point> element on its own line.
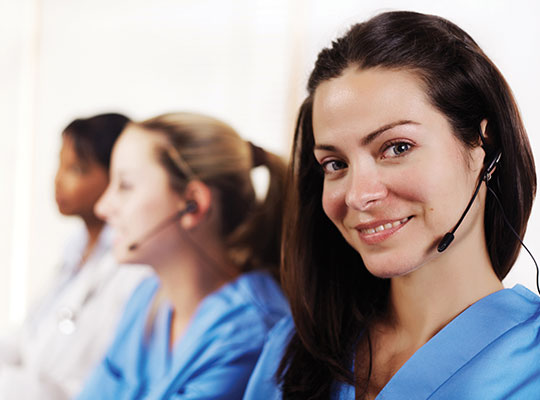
<point>333,166</point>
<point>396,149</point>
<point>77,169</point>
<point>124,185</point>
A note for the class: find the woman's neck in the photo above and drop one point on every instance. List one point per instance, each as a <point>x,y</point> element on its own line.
<point>426,300</point>
<point>186,279</point>
<point>94,227</point>
<point>420,305</point>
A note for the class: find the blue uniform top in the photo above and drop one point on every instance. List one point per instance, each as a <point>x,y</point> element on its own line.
<point>212,360</point>
<point>490,351</point>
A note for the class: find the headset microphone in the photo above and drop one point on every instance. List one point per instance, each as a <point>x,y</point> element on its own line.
<point>486,176</point>
<point>191,207</point>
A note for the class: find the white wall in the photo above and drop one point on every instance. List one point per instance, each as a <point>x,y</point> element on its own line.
<point>245,61</point>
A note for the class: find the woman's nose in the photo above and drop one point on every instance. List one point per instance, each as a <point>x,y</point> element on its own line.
<point>102,206</point>
<point>365,189</point>
<point>57,179</point>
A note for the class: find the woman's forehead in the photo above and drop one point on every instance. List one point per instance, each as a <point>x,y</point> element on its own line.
<point>135,150</point>
<point>366,100</point>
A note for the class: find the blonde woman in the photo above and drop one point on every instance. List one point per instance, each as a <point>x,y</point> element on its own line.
<point>181,200</point>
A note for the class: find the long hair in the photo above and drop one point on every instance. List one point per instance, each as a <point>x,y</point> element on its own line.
<point>210,150</point>
<point>333,297</point>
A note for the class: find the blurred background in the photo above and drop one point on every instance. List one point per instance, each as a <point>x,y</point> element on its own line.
<point>244,61</point>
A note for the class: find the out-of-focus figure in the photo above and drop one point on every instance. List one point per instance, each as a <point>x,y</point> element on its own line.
<point>68,331</point>
<point>181,199</point>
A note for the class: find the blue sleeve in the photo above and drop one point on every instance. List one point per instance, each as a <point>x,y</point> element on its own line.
<point>263,380</point>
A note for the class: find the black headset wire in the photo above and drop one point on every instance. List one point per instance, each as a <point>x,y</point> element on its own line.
<point>484,145</point>
<point>210,259</point>
<point>517,236</point>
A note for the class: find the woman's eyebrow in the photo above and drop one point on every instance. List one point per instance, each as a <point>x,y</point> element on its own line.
<point>371,136</point>
<point>324,147</point>
<point>376,133</point>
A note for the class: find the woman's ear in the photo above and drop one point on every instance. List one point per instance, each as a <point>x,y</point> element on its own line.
<point>477,157</point>
<point>483,127</point>
<point>490,160</point>
<point>196,200</point>
<point>478,153</point>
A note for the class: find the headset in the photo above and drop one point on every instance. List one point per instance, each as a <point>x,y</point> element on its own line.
<point>486,174</point>
<point>190,208</point>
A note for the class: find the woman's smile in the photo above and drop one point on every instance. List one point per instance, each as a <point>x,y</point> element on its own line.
<point>378,231</point>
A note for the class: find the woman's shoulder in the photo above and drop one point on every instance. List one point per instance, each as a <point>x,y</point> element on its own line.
<point>253,297</point>
<point>529,297</point>
<point>521,305</point>
<point>227,335</point>
<point>509,308</point>
<point>262,291</point>
<point>264,378</point>
<point>508,319</point>
<point>281,333</point>
<point>277,341</point>
<point>493,350</point>
<point>135,311</point>
<point>524,309</point>
<point>144,292</point>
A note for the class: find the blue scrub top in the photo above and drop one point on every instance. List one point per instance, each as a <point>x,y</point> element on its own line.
<point>490,351</point>
<point>213,359</point>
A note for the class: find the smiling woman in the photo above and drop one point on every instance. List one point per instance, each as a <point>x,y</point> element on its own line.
<point>405,122</point>
<point>403,176</point>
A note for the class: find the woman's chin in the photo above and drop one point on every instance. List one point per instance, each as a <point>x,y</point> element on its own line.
<point>122,254</point>
<point>391,268</point>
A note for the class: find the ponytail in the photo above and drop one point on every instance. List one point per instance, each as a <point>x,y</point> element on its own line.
<point>255,243</point>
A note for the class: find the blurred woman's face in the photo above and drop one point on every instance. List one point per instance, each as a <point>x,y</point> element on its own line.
<point>78,183</point>
<point>139,199</point>
<point>396,179</point>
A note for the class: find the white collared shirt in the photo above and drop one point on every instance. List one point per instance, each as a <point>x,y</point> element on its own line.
<point>68,332</point>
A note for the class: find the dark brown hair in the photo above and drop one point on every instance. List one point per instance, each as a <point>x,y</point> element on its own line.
<point>333,297</point>
<point>94,137</point>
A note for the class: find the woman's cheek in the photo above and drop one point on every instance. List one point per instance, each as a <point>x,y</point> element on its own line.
<point>333,201</point>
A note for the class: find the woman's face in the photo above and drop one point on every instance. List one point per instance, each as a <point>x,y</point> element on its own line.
<point>139,199</point>
<point>78,183</point>
<point>396,179</point>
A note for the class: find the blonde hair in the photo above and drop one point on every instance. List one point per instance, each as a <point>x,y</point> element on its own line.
<point>200,147</point>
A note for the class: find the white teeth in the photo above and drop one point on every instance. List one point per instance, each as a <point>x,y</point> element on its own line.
<point>388,225</point>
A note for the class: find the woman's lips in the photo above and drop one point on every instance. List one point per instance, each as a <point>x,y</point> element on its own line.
<point>378,231</point>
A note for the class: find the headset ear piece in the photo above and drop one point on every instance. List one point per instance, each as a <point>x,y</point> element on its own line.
<point>191,206</point>
<point>491,165</point>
